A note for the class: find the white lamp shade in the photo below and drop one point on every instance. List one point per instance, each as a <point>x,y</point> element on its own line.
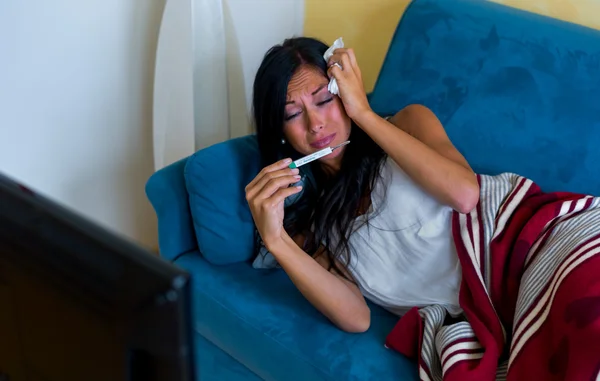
<point>190,85</point>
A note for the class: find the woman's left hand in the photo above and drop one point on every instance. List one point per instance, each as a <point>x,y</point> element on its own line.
<point>349,80</point>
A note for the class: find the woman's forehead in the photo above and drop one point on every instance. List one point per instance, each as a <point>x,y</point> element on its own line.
<point>306,79</point>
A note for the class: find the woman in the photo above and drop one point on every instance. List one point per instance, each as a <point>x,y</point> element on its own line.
<point>378,221</point>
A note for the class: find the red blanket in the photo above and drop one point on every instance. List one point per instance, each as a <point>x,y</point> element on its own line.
<point>530,291</point>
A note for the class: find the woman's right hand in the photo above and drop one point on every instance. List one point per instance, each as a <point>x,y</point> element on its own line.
<point>266,194</point>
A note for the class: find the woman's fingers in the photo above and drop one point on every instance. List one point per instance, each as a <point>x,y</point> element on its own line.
<point>352,57</point>
<point>269,177</point>
<point>334,71</point>
<point>273,185</point>
<point>281,195</point>
<point>350,82</point>
<point>279,165</point>
<point>343,60</point>
<point>347,52</point>
<point>355,67</point>
<point>344,57</point>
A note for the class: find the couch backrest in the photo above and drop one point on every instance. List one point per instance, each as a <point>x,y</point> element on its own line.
<point>516,92</point>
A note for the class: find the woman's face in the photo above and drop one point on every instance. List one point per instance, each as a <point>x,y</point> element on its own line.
<point>314,118</point>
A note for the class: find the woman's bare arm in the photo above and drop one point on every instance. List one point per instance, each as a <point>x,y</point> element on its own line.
<point>418,143</point>
<point>337,298</point>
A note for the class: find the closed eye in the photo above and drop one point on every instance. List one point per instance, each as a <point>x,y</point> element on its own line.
<point>290,117</point>
<point>325,101</point>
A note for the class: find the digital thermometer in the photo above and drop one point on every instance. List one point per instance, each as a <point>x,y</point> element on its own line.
<point>317,155</point>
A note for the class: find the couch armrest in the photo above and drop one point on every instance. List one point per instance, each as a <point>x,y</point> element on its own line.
<point>168,195</point>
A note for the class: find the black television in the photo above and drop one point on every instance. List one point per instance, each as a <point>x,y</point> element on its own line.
<point>79,303</point>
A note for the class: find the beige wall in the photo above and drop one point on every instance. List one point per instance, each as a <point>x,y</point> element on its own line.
<point>367,26</point>
<point>584,12</point>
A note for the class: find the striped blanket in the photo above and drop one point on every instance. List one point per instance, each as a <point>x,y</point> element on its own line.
<point>530,291</point>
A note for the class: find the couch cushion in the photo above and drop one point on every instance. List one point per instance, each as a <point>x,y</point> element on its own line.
<point>212,364</point>
<point>216,178</point>
<point>259,318</point>
<point>168,195</point>
<point>517,92</point>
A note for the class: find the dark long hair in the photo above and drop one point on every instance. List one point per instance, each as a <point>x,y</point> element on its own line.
<point>326,213</point>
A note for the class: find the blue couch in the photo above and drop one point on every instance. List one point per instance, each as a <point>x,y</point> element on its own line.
<point>517,92</point>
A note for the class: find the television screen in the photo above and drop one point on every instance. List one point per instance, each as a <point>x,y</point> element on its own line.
<point>79,303</point>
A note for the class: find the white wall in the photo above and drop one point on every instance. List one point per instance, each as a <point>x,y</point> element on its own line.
<point>76,105</point>
<point>76,90</point>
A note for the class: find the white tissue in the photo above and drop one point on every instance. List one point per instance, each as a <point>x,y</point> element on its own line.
<point>333,86</point>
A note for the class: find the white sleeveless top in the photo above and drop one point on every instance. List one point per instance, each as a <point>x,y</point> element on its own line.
<point>405,257</point>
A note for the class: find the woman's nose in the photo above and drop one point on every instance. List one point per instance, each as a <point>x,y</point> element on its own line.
<point>315,122</point>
